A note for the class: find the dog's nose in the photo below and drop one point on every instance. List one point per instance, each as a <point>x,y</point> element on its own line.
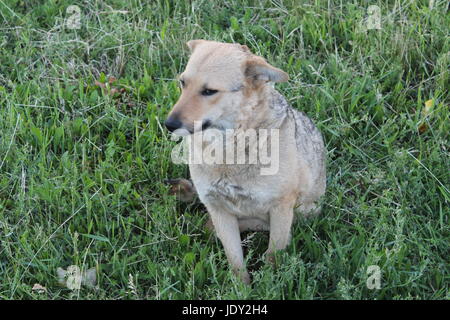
<point>173,124</point>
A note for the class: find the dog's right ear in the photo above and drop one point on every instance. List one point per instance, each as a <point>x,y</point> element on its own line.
<point>194,43</point>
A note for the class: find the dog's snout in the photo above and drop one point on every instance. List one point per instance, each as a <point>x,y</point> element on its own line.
<point>173,124</point>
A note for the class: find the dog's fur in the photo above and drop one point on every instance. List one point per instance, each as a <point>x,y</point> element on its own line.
<point>238,197</point>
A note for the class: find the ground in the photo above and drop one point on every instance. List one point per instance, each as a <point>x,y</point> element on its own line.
<point>83,151</point>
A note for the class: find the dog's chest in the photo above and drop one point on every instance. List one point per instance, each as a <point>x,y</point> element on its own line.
<point>232,193</point>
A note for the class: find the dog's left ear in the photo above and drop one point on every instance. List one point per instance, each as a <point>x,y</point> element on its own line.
<point>258,69</point>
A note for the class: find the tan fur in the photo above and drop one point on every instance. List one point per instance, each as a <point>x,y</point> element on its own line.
<point>238,197</point>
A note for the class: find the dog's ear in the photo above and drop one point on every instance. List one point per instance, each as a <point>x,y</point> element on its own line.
<point>194,43</point>
<point>258,69</point>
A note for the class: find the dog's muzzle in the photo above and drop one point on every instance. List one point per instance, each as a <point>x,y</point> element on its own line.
<point>173,124</point>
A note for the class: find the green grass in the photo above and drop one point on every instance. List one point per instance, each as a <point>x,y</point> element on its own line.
<point>81,168</point>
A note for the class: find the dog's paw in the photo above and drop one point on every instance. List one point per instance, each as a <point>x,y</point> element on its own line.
<point>246,279</point>
<point>271,259</point>
<point>183,189</point>
<point>244,276</point>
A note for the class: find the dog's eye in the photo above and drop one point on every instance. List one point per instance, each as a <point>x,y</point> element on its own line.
<point>182,83</point>
<point>208,92</point>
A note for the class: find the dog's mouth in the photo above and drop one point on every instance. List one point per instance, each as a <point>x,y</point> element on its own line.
<point>206,124</point>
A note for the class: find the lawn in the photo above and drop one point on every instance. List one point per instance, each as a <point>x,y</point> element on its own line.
<point>83,152</point>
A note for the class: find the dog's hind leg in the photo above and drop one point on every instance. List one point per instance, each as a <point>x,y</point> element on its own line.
<point>183,189</point>
<point>307,208</point>
<point>281,218</point>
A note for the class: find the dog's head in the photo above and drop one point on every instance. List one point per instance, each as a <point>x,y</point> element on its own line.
<point>219,78</point>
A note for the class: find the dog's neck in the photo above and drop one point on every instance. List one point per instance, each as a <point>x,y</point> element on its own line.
<point>266,108</point>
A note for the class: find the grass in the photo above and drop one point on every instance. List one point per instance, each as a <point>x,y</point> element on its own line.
<point>82,161</point>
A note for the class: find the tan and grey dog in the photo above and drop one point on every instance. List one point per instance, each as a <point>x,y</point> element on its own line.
<point>224,87</point>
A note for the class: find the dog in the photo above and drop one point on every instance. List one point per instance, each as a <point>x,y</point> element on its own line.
<point>226,87</point>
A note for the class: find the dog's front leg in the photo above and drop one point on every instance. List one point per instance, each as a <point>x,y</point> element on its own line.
<point>227,230</point>
<point>281,218</point>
